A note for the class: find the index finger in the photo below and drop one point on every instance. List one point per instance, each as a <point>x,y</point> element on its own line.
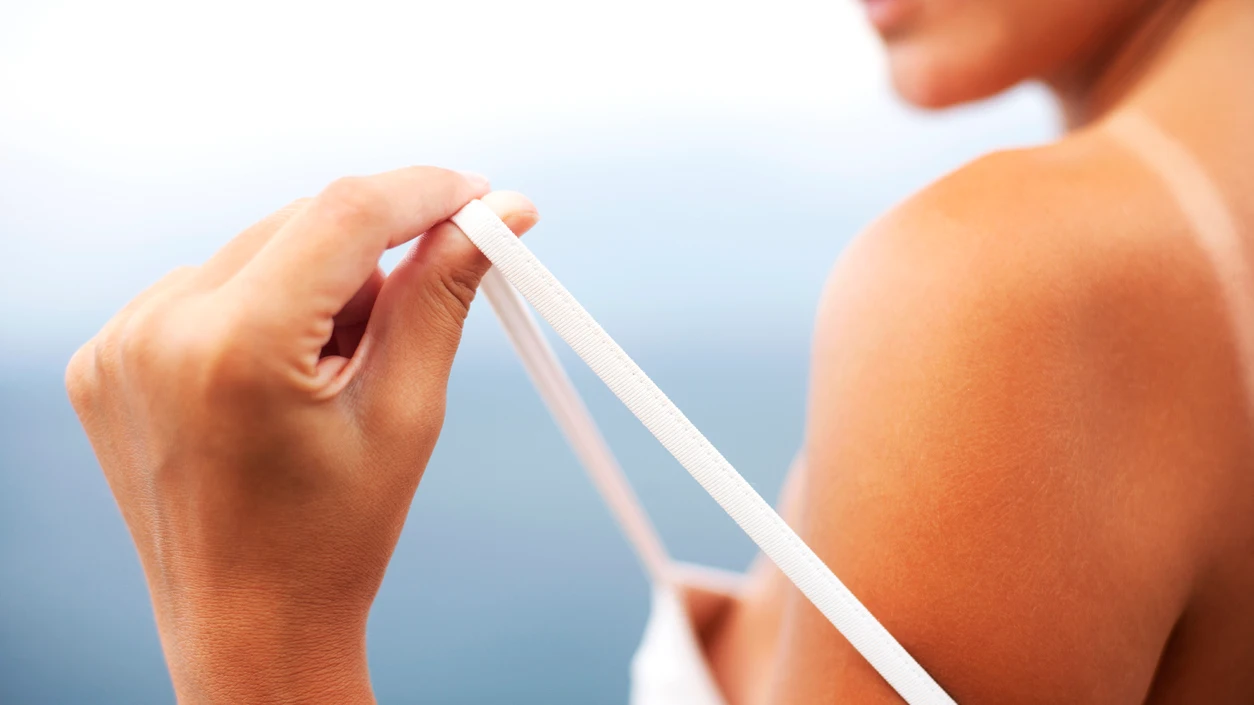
<point>318,260</point>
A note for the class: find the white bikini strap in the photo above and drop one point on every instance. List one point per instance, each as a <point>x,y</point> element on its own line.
<point>665,421</point>
<point>576,423</point>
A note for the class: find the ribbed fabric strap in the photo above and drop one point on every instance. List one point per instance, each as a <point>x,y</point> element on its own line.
<point>576,423</point>
<point>697,455</point>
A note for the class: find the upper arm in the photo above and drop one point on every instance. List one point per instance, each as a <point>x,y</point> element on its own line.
<point>989,470</point>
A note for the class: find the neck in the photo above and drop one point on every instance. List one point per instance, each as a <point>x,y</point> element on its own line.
<point>1134,56</point>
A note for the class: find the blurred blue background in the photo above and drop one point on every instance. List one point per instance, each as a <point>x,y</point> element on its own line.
<point>698,165</point>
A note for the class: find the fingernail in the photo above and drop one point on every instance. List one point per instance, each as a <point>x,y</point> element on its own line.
<point>479,180</point>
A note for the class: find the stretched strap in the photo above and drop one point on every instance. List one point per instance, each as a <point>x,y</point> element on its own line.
<point>576,423</point>
<point>665,421</point>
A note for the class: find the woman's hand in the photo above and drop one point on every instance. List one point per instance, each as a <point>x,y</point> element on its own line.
<point>263,421</point>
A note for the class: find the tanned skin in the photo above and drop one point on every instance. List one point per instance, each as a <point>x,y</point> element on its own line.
<point>1028,448</point>
<point>1029,443</point>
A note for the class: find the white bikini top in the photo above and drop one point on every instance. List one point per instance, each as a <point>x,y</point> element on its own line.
<point>669,668</point>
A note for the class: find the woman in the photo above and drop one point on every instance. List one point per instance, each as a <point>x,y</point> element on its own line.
<point>1029,441</point>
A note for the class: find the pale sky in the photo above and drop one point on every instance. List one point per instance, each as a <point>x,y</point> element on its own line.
<point>149,75</point>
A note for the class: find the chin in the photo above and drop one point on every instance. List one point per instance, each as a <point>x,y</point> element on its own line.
<point>933,80</point>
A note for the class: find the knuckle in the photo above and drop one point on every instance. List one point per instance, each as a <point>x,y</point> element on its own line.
<point>352,202</point>
<point>295,206</point>
<point>454,291</point>
<point>427,426</point>
<point>178,275</point>
<point>235,358</point>
<point>230,359</point>
<point>213,365</point>
<point>415,417</point>
<point>432,178</point>
<point>130,335</point>
<point>167,347</point>
<point>80,376</point>
<point>424,172</point>
<point>167,343</point>
<point>105,348</point>
<point>206,347</point>
<point>439,180</point>
<point>278,218</point>
<point>137,341</point>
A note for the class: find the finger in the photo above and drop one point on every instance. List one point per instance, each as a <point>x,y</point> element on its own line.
<point>417,321</point>
<point>240,250</point>
<point>316,262</point>
<point>176,280</point>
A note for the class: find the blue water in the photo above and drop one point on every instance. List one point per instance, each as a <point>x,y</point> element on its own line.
<point>510,583</point>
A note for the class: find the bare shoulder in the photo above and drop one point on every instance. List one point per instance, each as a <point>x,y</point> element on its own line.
<point>1064,272</point>
<point>1045,224</point>
<point>1021,380</point>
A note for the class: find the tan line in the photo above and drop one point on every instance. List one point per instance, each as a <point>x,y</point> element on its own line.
<point>1214,228</point>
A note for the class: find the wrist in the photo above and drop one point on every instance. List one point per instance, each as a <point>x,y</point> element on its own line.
<point>256,654</point>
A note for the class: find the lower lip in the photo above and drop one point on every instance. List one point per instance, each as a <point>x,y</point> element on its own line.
<point>886,14</point>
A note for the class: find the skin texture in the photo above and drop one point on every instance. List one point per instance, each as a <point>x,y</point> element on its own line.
<point>1028,447</point>
<point>264,476</point>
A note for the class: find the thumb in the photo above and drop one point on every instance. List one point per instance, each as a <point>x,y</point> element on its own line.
<point>417,320</point>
